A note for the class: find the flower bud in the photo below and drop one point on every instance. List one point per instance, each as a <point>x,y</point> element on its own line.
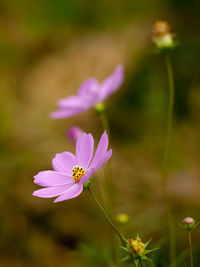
<point>136,246</point>
<point>161,28</point>
<point>136,250</point>
<point>74,133</point>
<point>188,224</point>
<point>188,220</point>
<point>162,37</point>
<point>122,218</point>
<point>99,108</point>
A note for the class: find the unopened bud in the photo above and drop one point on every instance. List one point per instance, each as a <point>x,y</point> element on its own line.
<point>161,28</point>
<point>99,108</point>
<point>188,224</point>
<point>122,218</point>
<point>188,220</point>
<point>162,37</point>
<point>136,246</point>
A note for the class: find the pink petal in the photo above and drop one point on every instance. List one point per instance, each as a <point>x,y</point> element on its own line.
<point>52,191</point>
<point>70,102</point>
<point>64,162</point>
<point>101,150</point>
<point>87,87</point>
<point>84,150</point>
<point>104,160</point>
<point>86,176</point>
<point>62,113</point>
<point>52,178</point>
<point>74,191</point>
<point>112,83</point>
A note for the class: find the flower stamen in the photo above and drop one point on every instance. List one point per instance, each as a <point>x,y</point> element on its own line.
<point>77,173</point>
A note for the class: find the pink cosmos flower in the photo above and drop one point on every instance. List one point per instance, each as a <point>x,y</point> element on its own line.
<point>89,95</point>
<point>71,172</point>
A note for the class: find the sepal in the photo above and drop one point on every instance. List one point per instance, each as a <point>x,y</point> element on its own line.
<point>189,227</point>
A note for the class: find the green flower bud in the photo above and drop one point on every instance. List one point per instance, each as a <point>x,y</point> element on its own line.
<point>99,108</point>
<point>122,218</point>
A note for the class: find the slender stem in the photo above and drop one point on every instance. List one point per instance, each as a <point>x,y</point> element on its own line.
<point>108,218</point>
<point>172,246</point>
<point>190,246</point>
<point>104,122</point>
<point>169,117</point>
<point>108,182</point>
<point>172,242</point>
<point>140,262</point>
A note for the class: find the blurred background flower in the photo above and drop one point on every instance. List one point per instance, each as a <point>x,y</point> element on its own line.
<point>74,133</point>
<point>90,94</point>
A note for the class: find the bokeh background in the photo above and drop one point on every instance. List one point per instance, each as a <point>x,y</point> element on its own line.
<point>47,48</point>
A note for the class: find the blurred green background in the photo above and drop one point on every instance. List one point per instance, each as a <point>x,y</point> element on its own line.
<point>47,48</point>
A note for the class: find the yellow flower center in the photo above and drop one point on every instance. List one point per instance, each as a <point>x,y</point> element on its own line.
<point>77,173</point>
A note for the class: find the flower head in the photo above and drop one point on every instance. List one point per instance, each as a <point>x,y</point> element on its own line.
<point>74,133</point>
<point>163,38</point>
<point>136,246</point>
<point>161,28</point>
<point>71,171</point>
<point>188,220</point>
<point>137,250</point>
<point>89,95</point>
<point>188,224</point>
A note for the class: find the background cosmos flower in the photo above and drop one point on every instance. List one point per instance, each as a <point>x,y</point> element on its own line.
<point>72,171</point>
<point>89,95</point>
<point>74,133</point>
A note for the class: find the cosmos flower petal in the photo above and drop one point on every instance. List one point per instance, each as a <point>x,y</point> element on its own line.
<point>89,95</point>
<point>84,150</point>
<point>64,162</point>
<point>112,83</point>
<point>52,178</point>
<point>106,157</point>
<point>65,113</point>
<point>61,183</point>
<point>52,191</point>
<point>101,150</point>
<point>70,102</point>
<point>74,191</point>
<point>86,176</point>
<point>88,86</point>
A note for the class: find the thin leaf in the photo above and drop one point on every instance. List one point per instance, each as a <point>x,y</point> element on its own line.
<point>127,257</point>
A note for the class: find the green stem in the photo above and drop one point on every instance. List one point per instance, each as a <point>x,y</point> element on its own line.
<point>169,118</point>
<point>108,173</point>
<point>172,242</point>
<point>108,218</point>
<point>190,246</point>
<point>172,246</point>
<point>104,122</point>
<point>106,184</point>
<point>140,262</point>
